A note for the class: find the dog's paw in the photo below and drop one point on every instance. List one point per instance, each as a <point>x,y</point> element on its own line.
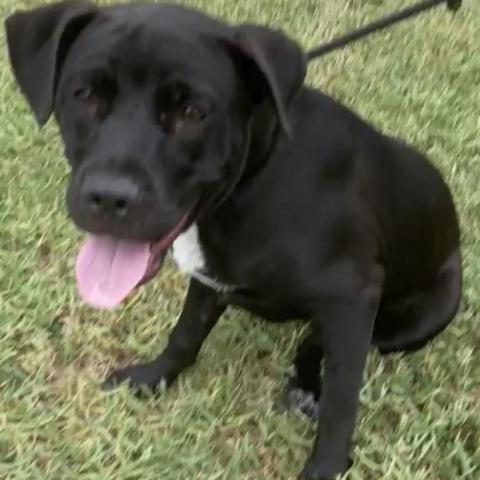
<point>321,471</point>
<point>298,400</point>
<point>142,379</point>
<point>312,473</point>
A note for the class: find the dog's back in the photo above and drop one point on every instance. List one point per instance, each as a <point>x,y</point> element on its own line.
<point>399,195</point>
<point>411,203</point>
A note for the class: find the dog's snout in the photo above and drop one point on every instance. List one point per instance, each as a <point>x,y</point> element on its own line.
<point>110,195</point>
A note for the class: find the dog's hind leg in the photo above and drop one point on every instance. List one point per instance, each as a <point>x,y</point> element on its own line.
<point>407,324</point>
<point>302,392</point>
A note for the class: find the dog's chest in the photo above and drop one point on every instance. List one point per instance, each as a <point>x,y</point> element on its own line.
<point>188,254</point>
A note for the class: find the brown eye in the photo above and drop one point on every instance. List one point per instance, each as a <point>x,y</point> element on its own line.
<point>83,93</point>
<point>91,101</point>
<point>193,114</point>
<point>163,118</point>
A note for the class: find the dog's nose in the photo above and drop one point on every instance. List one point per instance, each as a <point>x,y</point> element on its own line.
<point>112,195</point>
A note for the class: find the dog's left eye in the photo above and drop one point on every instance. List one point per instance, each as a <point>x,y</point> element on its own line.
<point>193,114</point>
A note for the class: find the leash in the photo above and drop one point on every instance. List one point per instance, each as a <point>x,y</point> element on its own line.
<point>381,24</point>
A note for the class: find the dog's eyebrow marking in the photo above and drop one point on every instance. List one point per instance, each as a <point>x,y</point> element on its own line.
<point>199,88</point>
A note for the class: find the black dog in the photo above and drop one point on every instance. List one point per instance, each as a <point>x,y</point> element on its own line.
<point>184,131</point>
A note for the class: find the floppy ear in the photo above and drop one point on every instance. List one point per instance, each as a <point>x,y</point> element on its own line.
<point>273,66</point>
<point>38,42</point>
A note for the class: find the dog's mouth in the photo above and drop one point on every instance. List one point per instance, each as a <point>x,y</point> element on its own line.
<point>108,269</point>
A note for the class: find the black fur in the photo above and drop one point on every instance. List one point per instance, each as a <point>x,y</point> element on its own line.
<point>313,212</point>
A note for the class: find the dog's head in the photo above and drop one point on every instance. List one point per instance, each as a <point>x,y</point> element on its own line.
<point>154,104</point>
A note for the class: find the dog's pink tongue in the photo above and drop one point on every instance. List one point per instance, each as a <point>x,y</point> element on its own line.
<point>108,269</point>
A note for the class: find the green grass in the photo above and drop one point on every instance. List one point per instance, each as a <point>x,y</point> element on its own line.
<point>419,415</point>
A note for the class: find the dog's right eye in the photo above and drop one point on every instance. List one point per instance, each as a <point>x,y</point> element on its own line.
<point>94,103</point>
<point>83,93</point>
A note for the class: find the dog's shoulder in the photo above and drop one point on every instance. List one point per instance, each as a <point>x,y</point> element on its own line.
<point>328,136</point>
<point>319,112</point>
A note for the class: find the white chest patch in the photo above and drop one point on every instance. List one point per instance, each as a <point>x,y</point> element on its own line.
<point>187,251</point>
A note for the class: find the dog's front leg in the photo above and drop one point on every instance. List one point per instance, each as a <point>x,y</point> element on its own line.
<point>343,330</point>
<point>199,315</point>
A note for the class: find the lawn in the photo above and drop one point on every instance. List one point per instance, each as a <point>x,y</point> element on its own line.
<point>420,415</point>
